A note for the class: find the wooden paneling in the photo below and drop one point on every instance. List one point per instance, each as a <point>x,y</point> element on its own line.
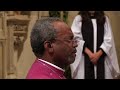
<point>1,58</point>
<point>2,46</point>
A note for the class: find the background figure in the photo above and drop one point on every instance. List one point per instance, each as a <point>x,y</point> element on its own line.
<point>53,44</point>
<point>96,56</point>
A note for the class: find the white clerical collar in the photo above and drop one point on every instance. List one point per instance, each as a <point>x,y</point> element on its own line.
<point>52,65</point>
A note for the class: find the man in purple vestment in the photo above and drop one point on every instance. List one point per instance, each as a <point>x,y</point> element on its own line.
<point>53,44</point>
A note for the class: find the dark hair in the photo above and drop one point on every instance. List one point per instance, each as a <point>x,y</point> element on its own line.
<point>99,15</point>
<point>43,30</point>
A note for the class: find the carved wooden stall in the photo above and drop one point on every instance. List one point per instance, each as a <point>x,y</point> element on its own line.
<point>17,26</point>
<point>3,45</point>
<point>13,32</point>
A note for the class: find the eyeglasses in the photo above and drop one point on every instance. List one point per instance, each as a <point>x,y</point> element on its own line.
<point>68,40</point>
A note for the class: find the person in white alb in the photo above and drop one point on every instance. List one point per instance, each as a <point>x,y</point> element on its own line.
<point>96,54</point>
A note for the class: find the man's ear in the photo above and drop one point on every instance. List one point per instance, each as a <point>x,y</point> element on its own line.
<point>48,46</point>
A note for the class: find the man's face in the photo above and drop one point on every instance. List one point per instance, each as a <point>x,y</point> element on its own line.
<point>64,46</point>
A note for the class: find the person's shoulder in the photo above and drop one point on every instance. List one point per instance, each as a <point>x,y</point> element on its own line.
<point>107,18</point>
<point>78,18</point>
<point>35,69</point>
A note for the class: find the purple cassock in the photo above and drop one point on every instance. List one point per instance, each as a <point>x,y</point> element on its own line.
<point>44,70</point>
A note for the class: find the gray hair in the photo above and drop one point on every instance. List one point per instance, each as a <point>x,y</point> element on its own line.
<point>43,30</point>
